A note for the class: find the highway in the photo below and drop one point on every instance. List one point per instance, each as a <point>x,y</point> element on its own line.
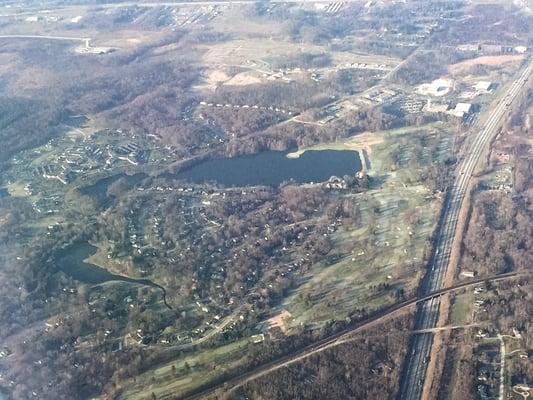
<point>427,313</point>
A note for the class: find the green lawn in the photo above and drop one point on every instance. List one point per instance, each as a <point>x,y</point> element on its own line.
<point>462,308</point>
<point>188,372</point>
<point>391,256</point>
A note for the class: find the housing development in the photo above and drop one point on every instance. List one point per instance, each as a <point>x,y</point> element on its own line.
<point>261,199</point>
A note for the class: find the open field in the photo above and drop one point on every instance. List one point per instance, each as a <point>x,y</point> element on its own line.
<point>386,253</point>
<point>363,141</point>
<point>185,373</point>
<point>461,308</point>
<point>484,60</point>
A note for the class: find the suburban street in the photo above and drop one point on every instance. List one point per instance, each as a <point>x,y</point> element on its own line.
<point>427,313</point>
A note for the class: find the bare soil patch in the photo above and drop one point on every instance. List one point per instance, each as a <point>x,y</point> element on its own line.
<point>365,141</point>
<point>213,79</point>
<point>243,79</point>
<point>126,39</point>
<point>280,321</point>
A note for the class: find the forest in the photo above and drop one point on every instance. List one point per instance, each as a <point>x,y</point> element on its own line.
<point>500,232</point>
<point>367,367</point>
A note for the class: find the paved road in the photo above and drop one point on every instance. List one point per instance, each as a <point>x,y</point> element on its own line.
<point>44,37</point>
<point>427,313</point>
<point>502,367</point>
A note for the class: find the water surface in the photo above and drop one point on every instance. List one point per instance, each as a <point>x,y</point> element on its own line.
<point>98,190</point>
<point>71,262</point>
<point>272,168</point>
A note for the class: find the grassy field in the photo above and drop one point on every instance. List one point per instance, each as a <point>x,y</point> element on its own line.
<point>461,309</point>
<point>386,255</point>
<point>377,145</point>
<point>188,372</point>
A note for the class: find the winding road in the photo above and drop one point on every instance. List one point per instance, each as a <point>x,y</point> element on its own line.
<point>427,314</point>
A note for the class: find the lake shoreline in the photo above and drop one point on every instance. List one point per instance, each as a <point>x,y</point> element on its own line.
<point>72,262</point>
<point>272,168</point>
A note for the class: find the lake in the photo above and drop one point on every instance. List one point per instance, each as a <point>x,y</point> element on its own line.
<point>71,262</point>
<point>272,168</point>
<point>98,190</point>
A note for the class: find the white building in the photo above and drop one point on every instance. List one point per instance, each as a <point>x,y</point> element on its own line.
<point>461,109</point>
<point>483,86</point>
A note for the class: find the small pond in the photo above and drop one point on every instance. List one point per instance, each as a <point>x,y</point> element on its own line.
<point>98,190</point>
<point>71,262</point>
